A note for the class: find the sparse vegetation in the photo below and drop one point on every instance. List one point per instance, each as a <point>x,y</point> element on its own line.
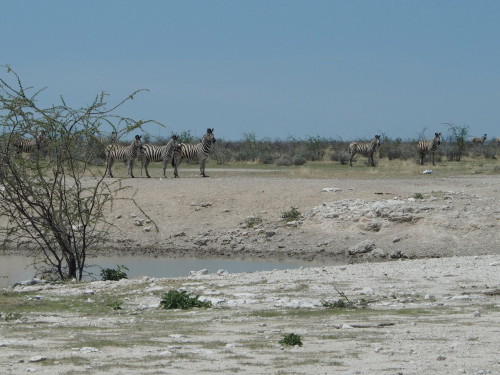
<point>111,274</point>
<point>291,339</point>
<point>115,305</point>
<point>292,215</point>
<point>418,196</point>
<point>253,221</point>
<point>175,299</point>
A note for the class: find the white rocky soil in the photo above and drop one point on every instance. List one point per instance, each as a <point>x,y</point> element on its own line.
<point>422,269</point>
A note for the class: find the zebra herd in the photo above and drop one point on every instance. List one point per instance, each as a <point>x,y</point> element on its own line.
<point>368,149</point>
<point>29,145</point>
<point>173,151</point>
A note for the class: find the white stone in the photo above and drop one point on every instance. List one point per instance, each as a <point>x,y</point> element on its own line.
<point>38,358</point>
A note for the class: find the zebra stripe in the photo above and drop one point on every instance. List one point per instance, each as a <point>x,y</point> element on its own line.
<point>426,147</point>
<point>478,141</point>
<point>152,153</point>
<point>123,153</point>
<point>193,153</point>
<point>29,145</point>
<point>365,149</point>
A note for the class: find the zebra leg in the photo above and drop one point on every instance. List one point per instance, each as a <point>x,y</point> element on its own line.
<point>350,160</point>
<point>433,159</point>
<point>165,167</point>
<point>108,167</point>
<point>130,166</point>
<point>202,168</point>
<point>175,163</point>
<point>146,169</point>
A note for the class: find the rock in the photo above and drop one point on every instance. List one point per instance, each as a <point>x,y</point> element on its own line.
<point>378,253</point>
<point>198,273</point>
<point>206,204</point>
<point>89,349</point>
<point>396,254</point>
<point>201,241</point>
<point>362,247</point>
<point>373,226</point>
<point>476,314</point>
<point>179,234</point>
<point>366,291</point>
<point>139,222</point>
<point>148,229</point>
<point>328,190</point>
<point>37,358</point>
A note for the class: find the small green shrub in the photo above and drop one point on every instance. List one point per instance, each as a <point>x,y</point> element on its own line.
<point>175,299</point>
<point>12,316</point>
<point>291,215</point>
<point>291,339</point>
<point>340,304</point>
<point>115,305</point>
<point>253,221</point>
<point>343,303</point>
<point>114,274</point>
<point>418,196</point>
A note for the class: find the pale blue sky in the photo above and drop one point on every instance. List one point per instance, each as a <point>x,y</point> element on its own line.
<point>335,69</point>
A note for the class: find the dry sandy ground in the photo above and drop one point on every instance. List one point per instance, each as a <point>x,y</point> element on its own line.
<point>427,272</point>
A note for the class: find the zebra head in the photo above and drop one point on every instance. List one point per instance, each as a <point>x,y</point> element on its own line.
<point>377,141</point>
<point>437,138</point>
<point>209,137</point>
<point>137,142</point>
<point>173,144</point>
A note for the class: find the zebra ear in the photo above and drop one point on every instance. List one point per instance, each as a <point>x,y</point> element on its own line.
<point>209,130</point>
<point>213,130</point>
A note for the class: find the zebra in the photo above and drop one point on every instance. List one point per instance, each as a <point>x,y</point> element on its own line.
<point>478,141</point>
<point>123,153</point>
<point>30,145</point>
<point>154,153</point>
<point>366,149</point>
<point>425,147</point>
<point>198,152</point>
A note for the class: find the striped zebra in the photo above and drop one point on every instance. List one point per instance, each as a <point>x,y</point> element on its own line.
<point>152,153</point>
<point>426,147</point>
<point>123,153</point>
<point>194,153</point>
<point>366,149</point>
<point>497,141</point>
<point>478,141</point>
<point>30,145</point>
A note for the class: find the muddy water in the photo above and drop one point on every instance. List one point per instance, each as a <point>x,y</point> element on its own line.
<point>14,268</point>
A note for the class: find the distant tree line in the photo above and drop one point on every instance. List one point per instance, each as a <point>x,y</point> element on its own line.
<point>294,151</point>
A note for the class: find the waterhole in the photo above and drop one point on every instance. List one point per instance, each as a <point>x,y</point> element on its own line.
<point>15,268</point>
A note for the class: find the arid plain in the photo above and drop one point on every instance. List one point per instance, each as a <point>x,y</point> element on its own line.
<point>419,256</point>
